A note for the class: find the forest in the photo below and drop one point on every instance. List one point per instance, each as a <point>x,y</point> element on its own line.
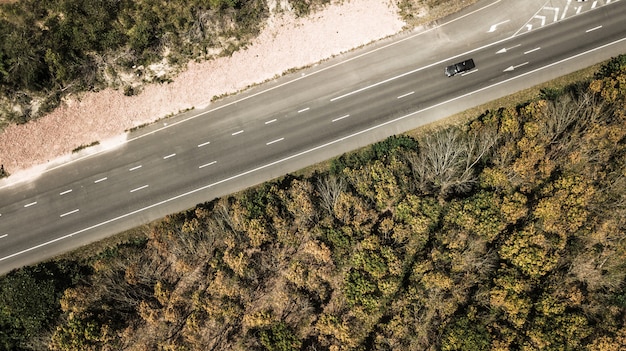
<point>51,48</point>
<point>505,232</point>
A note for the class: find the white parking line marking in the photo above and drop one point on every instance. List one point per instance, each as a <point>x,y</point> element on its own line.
<point>405,95</point>
<point>592,29</point>
<point>3,236</point>
<point>100,180</point>
<point>135,168</point>
<point>533,50</point>
<point>238,132</point>
<point>593,6</point>
<point>141,187</point>
<point>275,141</point>
<point>168,156</point>
<point>578,8</point>
<point>204,144</point>
<point>69,213</point>
<point>208,164</point>
<point>65,192</point>
<point>566,7</point>
<point>304,110</point>
<point>30,204</point>
<point>342,117</point>
<point>272,121</point>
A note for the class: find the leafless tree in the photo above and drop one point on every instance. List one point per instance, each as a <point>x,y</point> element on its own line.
<point>330,188</point>
<point>446,159</point>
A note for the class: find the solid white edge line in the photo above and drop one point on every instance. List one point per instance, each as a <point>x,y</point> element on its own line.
<point>272,121</point>
<point>69,213</point>
<point>100,180</point>
<point>3,236</point>
<point>168,156</point>
<point>31,204</point>
<point>141,187</point>
<point>208,164</point>
<point>65,192</point>
<point>203,144</point>
<point>299,154</point>
<point>274,141</point>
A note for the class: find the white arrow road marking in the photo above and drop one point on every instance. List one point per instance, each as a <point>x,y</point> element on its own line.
<point>69,213</point>
<point>503,50</point>
<point>494,26</point>
<point>511,68</point>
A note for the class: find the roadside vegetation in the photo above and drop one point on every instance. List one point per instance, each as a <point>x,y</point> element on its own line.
<point>52,49</point>
<point>503,233</point>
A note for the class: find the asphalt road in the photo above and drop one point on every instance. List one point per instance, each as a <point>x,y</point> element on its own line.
<point>300,119</point>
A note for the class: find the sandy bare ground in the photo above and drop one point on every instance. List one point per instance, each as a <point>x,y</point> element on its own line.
<point>285,42</point>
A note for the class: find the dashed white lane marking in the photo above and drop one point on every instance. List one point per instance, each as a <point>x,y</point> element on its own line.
<point>208,164</point>
<point>3,236</point>
<point>204,144</point>
<point>65,192</point>
<point>141,187</point>
<point>592,29</point>
<point>100,180</point>
<point>30,204</point>
<point>272,121</point>
<point>405,95</point>
<point>533,50</point>
<point>304,110</point>
<point>274,141</point>
<point>168,156</point>
<point>69,213</point>
<point>135,168</point>
<point>237,132</point>
<point>342,117</point>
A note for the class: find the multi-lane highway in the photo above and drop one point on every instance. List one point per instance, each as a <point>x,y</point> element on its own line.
<point>312,115</point>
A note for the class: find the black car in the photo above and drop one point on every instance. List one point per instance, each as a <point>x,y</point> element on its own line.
<point>460,67</point>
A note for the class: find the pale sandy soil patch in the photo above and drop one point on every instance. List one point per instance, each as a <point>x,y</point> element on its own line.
<point>285,42</point>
